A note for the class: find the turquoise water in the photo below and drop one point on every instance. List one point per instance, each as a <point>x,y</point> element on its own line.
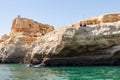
<point>21,72</point>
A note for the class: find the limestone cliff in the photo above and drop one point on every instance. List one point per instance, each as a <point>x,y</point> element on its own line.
<point>93,44</point>
<point>29,28</point>
<point>14,47</point>
<point>95,41</point>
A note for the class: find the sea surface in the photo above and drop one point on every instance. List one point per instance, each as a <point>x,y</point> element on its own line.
<point>22,72</point>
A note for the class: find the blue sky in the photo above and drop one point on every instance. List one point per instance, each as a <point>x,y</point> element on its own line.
<point>54,12</point>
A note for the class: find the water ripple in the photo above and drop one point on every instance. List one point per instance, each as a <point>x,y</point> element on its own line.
<point>21,72</point>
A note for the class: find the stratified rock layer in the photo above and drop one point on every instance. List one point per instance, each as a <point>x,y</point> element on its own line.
<point>97,44</point>
<point>100,19</point>
<point>29,28</point>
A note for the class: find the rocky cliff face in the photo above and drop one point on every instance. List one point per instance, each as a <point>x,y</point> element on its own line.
<point>30,29</point>
<point>91,44</point>
<point>95,41</point>
<point>14,47</point>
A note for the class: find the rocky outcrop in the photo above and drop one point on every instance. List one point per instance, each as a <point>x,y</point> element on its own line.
<point>29,28</point>
<point>95,41</point>
<point>97,44</point>
<point>15,46</point>
<point>14,49</point>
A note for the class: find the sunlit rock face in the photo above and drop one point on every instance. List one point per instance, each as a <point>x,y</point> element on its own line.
<point>29,28</point>
<point>91,44</point>
<point>100,19</point>
<point>14,49</point>
<point>24,32</point>
<point>95,41</point>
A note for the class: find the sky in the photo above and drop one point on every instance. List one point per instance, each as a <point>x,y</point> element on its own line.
<point>54,12</point>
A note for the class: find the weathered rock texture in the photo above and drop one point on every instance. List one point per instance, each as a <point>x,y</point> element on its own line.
<point>15,46</point>
<point>29,28</point>
<point>101,19</point>
<point>97,44</point>
<point>14,49</point>
<point>4,37</point>
<point>95,41</point>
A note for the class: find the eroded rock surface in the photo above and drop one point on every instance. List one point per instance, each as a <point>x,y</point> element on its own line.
<point>95,41</point>
<point>15,46</point>
<point>97,44</point>
<point>100,19</point>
